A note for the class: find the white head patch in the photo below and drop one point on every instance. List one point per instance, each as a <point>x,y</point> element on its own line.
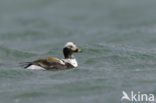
<point>70,44</point>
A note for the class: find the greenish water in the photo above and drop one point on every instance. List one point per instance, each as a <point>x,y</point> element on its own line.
<point>118,39</point>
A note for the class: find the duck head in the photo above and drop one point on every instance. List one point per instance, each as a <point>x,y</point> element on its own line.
<point>69,49</point>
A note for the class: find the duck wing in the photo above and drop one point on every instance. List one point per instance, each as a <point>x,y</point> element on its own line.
<point>48,63</point>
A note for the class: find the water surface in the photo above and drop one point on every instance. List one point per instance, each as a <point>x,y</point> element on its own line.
<point>118,39</point>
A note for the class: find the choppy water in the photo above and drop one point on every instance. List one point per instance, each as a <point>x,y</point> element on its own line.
<point>118,39</point>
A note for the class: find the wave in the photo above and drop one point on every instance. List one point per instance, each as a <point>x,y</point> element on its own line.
<point>119,55</point>
<point>10,53</point>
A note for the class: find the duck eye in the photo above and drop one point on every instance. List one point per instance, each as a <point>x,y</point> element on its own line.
<point>70,46</point>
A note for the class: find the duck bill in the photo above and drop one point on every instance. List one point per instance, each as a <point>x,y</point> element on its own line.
<point>78,51</point>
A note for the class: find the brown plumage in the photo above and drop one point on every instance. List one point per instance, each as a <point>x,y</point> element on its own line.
<point>50,64</point>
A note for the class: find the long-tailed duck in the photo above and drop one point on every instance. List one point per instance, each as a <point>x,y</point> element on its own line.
<point>48,63</point>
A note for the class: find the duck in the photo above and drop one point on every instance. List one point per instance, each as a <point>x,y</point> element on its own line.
<point>49,63</point>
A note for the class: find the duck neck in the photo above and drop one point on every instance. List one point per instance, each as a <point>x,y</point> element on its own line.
<point>67,53</point>
<point>68,56</point>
